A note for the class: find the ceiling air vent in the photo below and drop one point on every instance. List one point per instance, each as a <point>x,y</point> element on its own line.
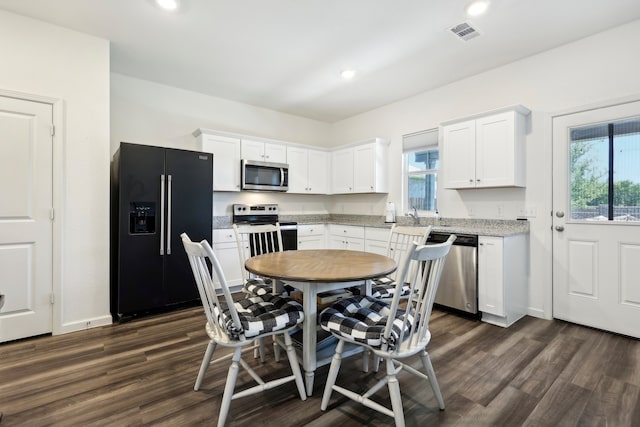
<point>465,31</point>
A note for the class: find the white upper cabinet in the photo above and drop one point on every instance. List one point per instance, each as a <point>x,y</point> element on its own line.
<point>226,159</point>
<point>361,168</point>
<point>485,151</point>
<point>263,151</point>
<point>342,171</point>
<point>308,170</point>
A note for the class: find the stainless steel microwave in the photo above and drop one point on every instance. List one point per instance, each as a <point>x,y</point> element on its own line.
<point>265,176</point>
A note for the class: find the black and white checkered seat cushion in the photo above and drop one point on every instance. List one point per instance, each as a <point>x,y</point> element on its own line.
<point>258,286</point>
<point>262,314</point>
<point>383,287</point>
<point>362,319</point>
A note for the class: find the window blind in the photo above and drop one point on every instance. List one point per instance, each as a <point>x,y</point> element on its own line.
<point>420,140</point>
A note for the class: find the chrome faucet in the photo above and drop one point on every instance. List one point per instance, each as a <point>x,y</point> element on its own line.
<point>414,215</point>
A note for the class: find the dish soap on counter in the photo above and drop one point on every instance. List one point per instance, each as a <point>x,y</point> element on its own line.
<point>436,218</point>
<point>390,213</point>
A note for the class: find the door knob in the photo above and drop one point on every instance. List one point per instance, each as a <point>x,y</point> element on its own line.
<point>559,214</point>
<point>559,228</point>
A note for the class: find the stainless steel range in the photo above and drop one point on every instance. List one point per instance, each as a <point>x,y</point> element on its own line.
<point>267,214</point>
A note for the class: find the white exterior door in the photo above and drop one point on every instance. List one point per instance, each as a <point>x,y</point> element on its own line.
<point>596,257</point>
<point>26,229</point>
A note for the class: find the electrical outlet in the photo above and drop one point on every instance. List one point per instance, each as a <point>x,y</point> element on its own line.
<point>500,211</point>
<point>527,212</point>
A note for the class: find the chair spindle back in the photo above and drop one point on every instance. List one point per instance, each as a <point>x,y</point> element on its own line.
<point>424,282</point>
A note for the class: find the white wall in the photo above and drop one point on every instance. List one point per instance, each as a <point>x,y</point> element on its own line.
<point>149,113</point>
<point>596,69</point>
<point>50,61</point>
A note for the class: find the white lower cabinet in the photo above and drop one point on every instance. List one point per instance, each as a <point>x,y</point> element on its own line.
<point>346,237</point>
<point>225,247</point>
<point>312,236</point>
<point>376,240</point>
<point>502,278</point>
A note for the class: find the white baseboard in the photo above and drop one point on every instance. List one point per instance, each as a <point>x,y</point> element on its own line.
<point>539,313</point>
<point>84,324</point>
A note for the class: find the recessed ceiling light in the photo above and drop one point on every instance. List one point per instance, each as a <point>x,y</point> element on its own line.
<point>168,4</point>
<point>348,74</point>
<point>477,8</point>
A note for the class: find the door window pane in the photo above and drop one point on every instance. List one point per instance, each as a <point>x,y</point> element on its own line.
<point>626,171</point>
<point>605,178</point>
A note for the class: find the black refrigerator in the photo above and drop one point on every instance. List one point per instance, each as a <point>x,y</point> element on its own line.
<point>156,195</point>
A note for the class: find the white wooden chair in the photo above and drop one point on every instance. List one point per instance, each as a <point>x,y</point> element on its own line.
<point>257,240</point>
<point>391,333</point>
<point>398,247</point>
<point>239,324</point>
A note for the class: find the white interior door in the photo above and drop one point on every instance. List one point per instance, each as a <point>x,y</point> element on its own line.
<point>596,218</point>
<point>26,230</point>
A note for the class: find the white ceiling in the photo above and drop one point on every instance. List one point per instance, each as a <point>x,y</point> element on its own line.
<point>286,55</point>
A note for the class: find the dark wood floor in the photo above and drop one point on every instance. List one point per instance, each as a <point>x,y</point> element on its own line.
<point>535,373</point>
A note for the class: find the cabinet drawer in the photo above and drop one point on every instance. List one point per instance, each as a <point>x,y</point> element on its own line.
<point>375,233</point>
<point>311,230</point>
<point>224,235</point>
<point>347,231</point>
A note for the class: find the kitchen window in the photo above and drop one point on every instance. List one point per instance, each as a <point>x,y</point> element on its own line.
<point>421,164</point>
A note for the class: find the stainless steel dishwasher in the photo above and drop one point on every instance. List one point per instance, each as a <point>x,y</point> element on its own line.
<point>458,287</point>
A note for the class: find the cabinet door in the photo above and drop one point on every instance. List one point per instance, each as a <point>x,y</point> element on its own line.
<point>318,172</point>
<point>491,275</point>
<point>364,166</point>
<point>376,240</point>
<point>337,242</point>
<point>226,249</point>
<point>354,244</point>
<point>226,161</point>
<point>298,169</point>
<point>276,153</point>
<point>495,150</point>
<point>376,246</point>
<point>342,171</point>
<point>459,155</point>
<point>311,242</point>
<point>252,150</point>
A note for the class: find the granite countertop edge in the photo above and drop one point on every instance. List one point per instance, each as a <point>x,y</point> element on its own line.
<point>480,227</point>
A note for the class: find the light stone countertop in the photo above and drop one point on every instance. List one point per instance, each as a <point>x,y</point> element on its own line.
<point>481,227</point>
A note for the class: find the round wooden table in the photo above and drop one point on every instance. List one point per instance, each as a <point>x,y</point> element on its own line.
<point>315,271</point>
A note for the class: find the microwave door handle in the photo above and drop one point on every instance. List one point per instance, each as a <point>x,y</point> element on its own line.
<point>281,177</point>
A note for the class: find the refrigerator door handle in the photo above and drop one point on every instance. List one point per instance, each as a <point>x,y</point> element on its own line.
<point>169,214</point>
<point>161,214</point>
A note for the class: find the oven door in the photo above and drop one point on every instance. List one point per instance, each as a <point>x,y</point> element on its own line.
<point>264,176</point>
